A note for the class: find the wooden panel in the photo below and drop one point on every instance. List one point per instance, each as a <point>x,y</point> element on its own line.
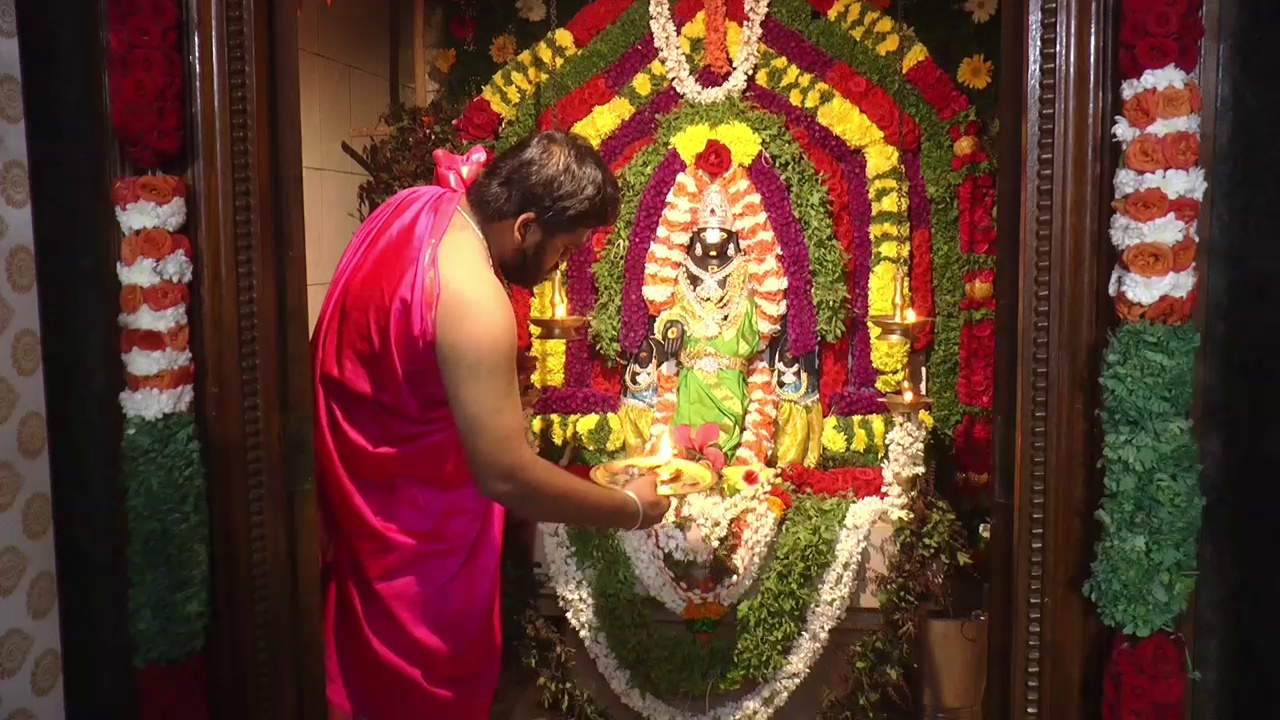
<point>1049,291</point>
<point>255,369</point>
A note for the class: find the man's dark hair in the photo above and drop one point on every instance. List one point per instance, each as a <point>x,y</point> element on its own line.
<point>557,176</point>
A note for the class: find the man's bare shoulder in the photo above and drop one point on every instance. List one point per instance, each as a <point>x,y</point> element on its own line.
<point>474,306</point>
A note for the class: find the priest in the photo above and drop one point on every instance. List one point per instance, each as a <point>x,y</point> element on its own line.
<point>419,431</point>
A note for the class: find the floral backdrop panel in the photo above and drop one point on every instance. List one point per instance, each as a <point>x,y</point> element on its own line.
<point>30,646</point>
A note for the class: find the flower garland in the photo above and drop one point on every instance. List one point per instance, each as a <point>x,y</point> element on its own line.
<point>1144,569</point>
<point>667,41</point>
<point>161,466</point>
<point>578,589</point>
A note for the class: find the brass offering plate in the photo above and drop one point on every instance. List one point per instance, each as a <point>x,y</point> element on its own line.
<point>899,404</point>
<point>565,328</point>
<point>687,478</point>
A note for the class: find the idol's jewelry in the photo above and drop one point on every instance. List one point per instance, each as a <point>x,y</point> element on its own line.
<point>641,385</point>
<point>789,395</point>
<point>639,510</point>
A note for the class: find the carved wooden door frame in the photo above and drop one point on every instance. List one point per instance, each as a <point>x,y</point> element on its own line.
<point>1055,162</point>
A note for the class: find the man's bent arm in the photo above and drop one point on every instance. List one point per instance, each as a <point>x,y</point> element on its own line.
<point>476,349</point>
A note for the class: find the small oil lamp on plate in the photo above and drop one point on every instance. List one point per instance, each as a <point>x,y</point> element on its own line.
<point>676,476</point>
<point>908,400</point>
<point>561,325</point>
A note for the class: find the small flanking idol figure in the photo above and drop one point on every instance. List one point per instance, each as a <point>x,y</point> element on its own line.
<point>709,335</point>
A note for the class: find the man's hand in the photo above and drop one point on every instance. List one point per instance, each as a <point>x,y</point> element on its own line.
<point>653,507</point>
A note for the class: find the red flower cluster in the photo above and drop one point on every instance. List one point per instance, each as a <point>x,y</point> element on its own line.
<point>1146,679</point>
<point>973,446</point>
<point>479,122</point>
<point>938,89</point>
<point>857,482</point>
<point>1158,33</point>
<point>686,10</point>
<point>594,18</point>
<point>173,691</point>
<point>900,129</point>
<point>145,79</point>
<point>977,196</point>
<point>715,159</point>
<point>977,363</point>
<point>577,104</point>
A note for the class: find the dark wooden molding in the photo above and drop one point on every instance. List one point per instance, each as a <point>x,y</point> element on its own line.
<point>1049,289</point>
<point>254,372</point>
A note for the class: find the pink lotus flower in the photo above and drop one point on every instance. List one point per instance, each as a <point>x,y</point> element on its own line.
<point>700,444</point>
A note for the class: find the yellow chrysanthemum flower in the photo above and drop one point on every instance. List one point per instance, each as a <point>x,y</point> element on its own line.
<point>914,56</point>
<point>616,434</point>
<point>537,424</point>
<point>927,418</point>
<point>833,438</point>
<point>859,438</point>
<point>586,424</point>
<point>557,430</point>
<point>642,84</point>
<point>503,49</point>
<point>564,39</point>
<point>877,427</point>
<point>445,59</point>
<point>741,140</point>
<point>890,44</point>
<point>975,72</point>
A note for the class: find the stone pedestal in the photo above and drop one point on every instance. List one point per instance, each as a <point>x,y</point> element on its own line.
<point>808,698</point>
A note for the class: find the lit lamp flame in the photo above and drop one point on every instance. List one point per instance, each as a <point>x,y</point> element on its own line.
<point>665,453</point>
<point>559,304</point>
<point>911,316</point>
<point>907,394</point>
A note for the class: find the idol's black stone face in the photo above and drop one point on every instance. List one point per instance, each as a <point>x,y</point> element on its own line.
<point>710,249</point>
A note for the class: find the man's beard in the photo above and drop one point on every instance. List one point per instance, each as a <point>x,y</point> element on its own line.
<point>528,267</point>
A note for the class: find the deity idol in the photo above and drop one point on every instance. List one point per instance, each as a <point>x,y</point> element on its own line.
<point>799,434</point>
<point>639,396</point>
<point>710,334</point>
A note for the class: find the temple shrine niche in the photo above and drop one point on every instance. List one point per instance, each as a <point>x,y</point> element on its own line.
<point>791,320</point>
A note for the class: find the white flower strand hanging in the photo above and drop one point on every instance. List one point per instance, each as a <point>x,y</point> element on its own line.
<point>667,39</point>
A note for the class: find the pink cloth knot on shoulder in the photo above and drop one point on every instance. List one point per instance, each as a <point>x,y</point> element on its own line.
<point>457,172</point>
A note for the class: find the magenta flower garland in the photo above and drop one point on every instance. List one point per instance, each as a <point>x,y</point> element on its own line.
<point>580,291</point>
<point>635,313</point>
<point>802,323</point>
<point>631,63</point>
<point>574,401</point>
<point>800,52</point>
<point>643,124</point>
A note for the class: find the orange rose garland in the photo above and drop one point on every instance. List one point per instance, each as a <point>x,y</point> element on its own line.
<point>154,270</point>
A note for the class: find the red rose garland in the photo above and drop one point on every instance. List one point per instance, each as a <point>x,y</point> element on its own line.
<point>145,80</point>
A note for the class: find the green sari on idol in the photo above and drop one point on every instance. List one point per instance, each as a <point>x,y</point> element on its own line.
<point>712,386</point>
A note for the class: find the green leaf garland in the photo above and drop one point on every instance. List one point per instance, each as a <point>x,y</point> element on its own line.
<point>1150,513</point>
<point>166,504</point>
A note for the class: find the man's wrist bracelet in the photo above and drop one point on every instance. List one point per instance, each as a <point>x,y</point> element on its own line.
<point>639,510</point>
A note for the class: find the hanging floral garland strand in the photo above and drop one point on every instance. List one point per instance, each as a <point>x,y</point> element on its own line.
<point>166,502</point>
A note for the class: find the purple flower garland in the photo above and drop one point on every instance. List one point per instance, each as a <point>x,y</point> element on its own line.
<point>790,44</point>
<point>635,312</point>
<point>642,124</point>
<point>862,372</point>
<point>574,401</point>
<point>635,59</point>
<point>802,321</point>
<point>580,289</point>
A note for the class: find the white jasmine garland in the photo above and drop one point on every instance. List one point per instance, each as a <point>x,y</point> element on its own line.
<point>153,362</point>
<point>666,38</point>
<point>1147,290</point>
<point>153,404</point>
<point>145,215</point>
<point>158,320</point>
<point>144,272</point>
<point>1158,79</point>
<point>1174,183</point>
<point>1167,230</point>
<point>905,460</point>
<point>1123,131</point>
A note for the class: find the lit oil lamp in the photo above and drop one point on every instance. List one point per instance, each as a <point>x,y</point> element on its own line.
<point>900,325</point>
<point>675,476</point>
<point>561,325</point>
<point>908,400</point>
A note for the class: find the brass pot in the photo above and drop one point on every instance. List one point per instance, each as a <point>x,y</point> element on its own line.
<point>953,667</point>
